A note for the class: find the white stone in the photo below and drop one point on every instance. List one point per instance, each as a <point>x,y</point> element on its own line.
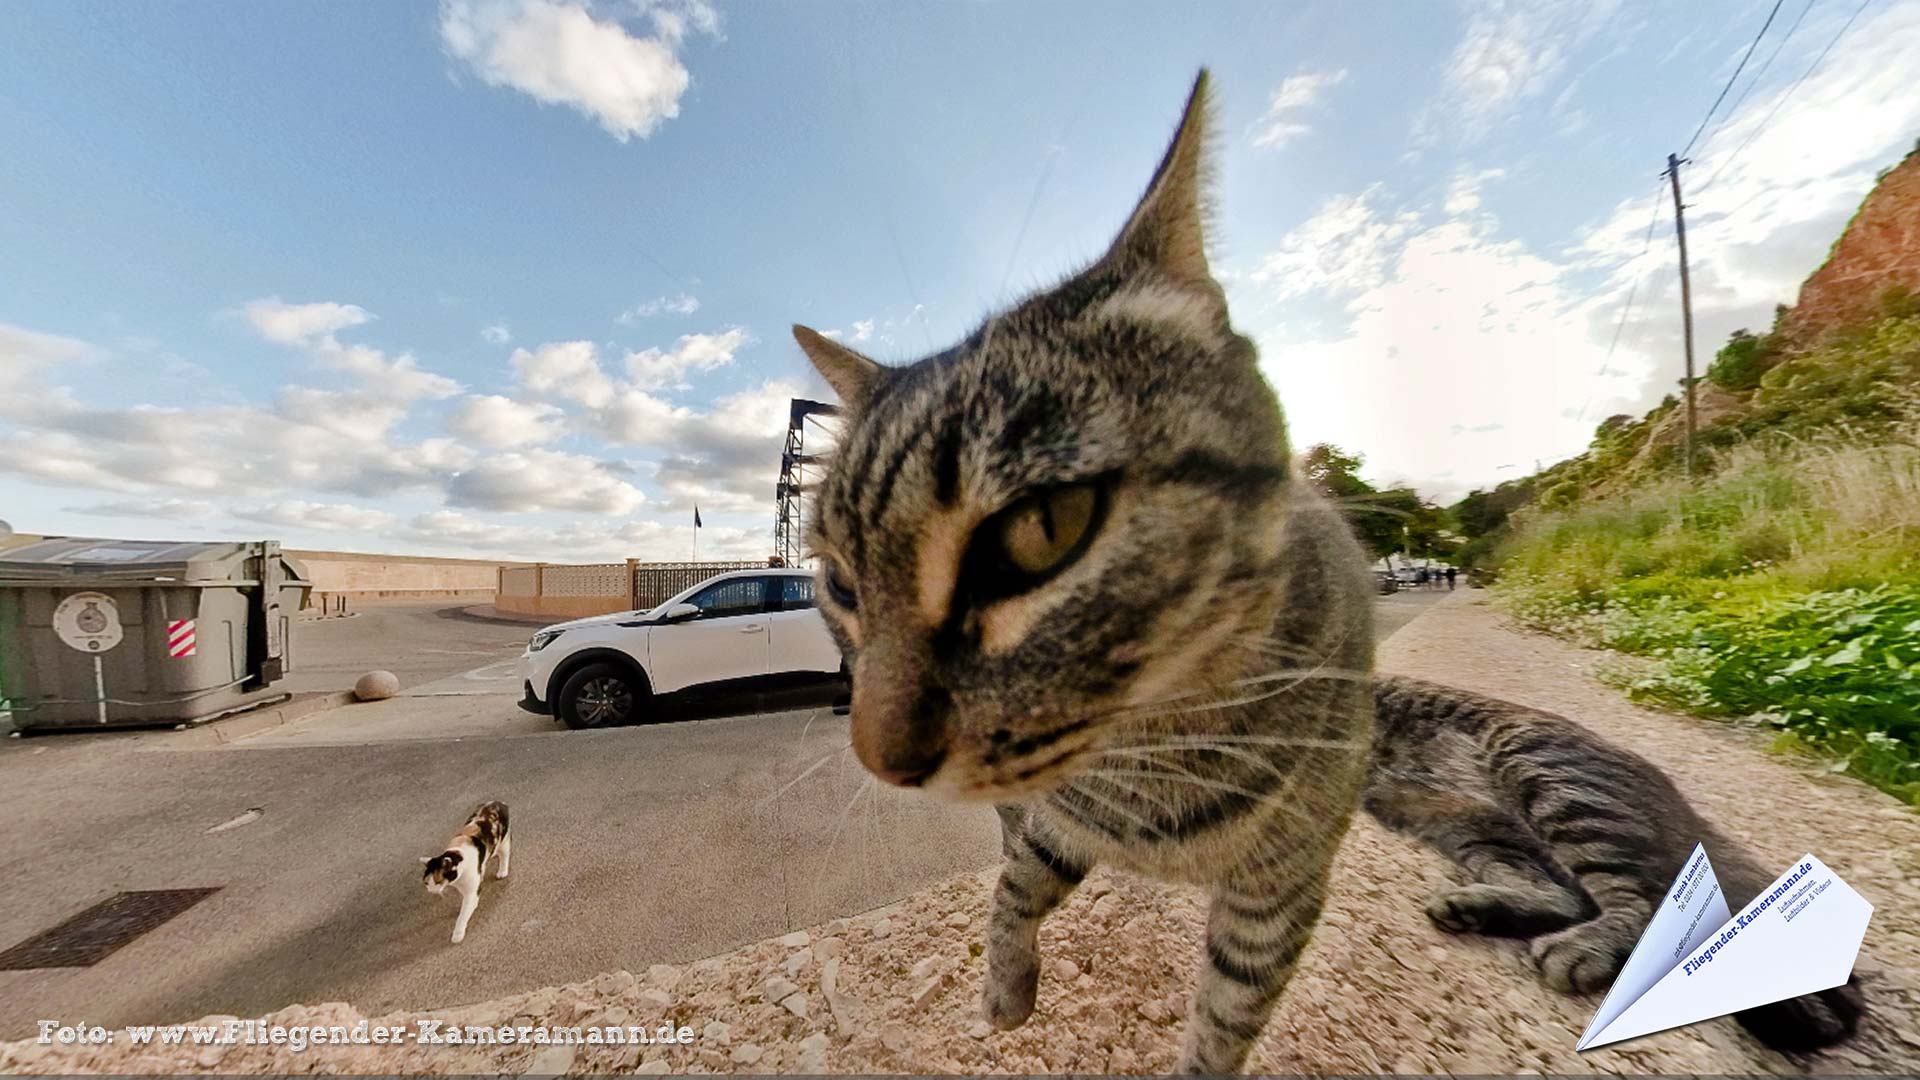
<point>795,1004</point>
<point>664,976</point>
<point>747,1053</point>
<point>616,982</point>
<point>979,1029</point>
<point>376,686</point>
<point>895,1036</point>
<point>958,920</point>
<point>1105,907</point>
<point>798,962</point>
<point>1065,970</point>
<point>883,928</point>
<point>813,1053</point>
<point>553,1061</point>
<point>657,1067</point>
<point>828,948</point>
<point>717,1032</point>
<point>778,989</point>
<point>842,1007</point>
<point>799,939</point>
<point>652,1001</point>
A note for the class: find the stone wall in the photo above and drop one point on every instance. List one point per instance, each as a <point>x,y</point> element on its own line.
<point>374,578</point>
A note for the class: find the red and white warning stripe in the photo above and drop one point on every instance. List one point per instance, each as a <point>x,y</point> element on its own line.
<point>180,639</point>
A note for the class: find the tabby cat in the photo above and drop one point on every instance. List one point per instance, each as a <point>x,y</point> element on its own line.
<point>1075,577</point>
<point>1570,841</point>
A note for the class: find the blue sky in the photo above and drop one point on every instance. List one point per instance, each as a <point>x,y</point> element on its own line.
<point>513,277</point>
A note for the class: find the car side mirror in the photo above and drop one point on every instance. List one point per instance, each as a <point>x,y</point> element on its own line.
<point>683,612</point>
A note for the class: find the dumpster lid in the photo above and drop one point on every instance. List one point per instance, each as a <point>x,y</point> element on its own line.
<point>64,558</point>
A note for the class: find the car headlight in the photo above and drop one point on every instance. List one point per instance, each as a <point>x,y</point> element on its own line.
<point>543,639</point>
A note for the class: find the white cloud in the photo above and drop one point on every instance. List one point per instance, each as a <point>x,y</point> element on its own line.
<point>502,423</point>
<point>312,326</point>
<point>167,509</point>
<point>1462,329</point>
<point>1345,247</point>
<point>534,480</point>
<point>677,304</point>
<point>653,369</point>
<point>301,324</point>
<point>1510,51</point>
<point>497,334</point>
<point>560,53</point>
<point>569,370</point>
<point>1295,95</point>
<point>326,517</point>
<point>29,359</point>
<point>1463,192</point>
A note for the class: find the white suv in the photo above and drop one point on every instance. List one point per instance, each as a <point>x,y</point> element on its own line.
<point>743,633</point>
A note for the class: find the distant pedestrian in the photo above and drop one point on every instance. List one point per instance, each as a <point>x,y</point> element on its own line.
<point>1420,576</point>
<point>1452,573</point>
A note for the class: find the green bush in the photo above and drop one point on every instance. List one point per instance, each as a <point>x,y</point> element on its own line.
<point>1781,589</point>
<point>1742,361</point>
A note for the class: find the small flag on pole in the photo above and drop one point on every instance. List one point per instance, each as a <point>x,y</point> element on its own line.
<point>696,516</point>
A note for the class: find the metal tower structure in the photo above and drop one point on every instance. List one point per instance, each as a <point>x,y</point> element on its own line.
<point>789,529</point>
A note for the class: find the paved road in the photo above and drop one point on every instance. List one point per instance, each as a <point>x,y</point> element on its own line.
<point>635,846</point>
<point>417,642</point>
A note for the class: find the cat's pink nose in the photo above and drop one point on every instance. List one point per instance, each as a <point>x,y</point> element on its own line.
<point>899,729</point>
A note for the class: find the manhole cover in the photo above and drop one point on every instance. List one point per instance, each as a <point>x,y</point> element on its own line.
<point>94,934</point>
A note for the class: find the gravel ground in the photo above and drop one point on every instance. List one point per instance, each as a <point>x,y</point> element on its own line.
<point>1380,990</point>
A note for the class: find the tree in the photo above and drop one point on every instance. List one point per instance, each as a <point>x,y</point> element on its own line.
<point>1387,522</point>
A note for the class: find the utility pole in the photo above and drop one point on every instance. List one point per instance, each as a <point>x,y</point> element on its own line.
<point>1686,295</point>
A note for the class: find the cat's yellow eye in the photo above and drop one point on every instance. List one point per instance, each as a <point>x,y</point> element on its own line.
<point>1041,530</point>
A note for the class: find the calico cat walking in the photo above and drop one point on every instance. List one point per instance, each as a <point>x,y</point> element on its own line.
<point>1074,576</point>
<point>485,836</point>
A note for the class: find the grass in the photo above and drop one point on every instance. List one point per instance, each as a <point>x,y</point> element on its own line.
<point>1781,590</point>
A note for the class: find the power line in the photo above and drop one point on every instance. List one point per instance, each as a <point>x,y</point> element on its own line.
<point>1732,78</point>
<point>1782,99</point>
<point>1626,310</point>
<point>1760,75</point>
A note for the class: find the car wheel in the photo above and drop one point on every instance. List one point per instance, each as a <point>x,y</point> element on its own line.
<point>600,695</point>
<point>843,693</point>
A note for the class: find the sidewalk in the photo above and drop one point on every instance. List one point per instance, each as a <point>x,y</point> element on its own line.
<point>1380,990</point>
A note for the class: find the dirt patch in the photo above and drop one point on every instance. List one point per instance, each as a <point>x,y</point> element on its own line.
<point>1380,990</point>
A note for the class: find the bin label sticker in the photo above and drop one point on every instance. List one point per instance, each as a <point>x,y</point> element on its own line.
<point>88,621</point>
<point>180,639</point>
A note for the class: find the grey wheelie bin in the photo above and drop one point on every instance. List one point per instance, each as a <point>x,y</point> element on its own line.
<point>133,633</point>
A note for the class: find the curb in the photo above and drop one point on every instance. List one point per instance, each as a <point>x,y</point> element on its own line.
<point>241,725</point>
<point>487,613</point>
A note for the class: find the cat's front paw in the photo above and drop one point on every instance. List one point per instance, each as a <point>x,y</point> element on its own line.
<point>459,936</point>
<point>1581,959</point>
<point>1806,1023</point>
<point>1010,992</point>
<point>1501,911</point>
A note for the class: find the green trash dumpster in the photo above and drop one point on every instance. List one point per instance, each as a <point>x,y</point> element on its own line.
<point>134,633</point>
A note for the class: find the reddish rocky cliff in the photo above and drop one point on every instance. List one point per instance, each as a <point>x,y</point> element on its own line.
<point>1879,250</point>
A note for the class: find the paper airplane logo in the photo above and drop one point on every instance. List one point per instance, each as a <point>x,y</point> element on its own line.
<point>1696,961</point>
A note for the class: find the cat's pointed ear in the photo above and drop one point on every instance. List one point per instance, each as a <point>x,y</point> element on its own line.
<point>1167,231</point>
<point>850,374</point>
<point>426,858</point>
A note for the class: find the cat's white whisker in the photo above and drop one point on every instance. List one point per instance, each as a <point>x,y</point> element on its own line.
<point>808,771</point>
<point>1145,825</point>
